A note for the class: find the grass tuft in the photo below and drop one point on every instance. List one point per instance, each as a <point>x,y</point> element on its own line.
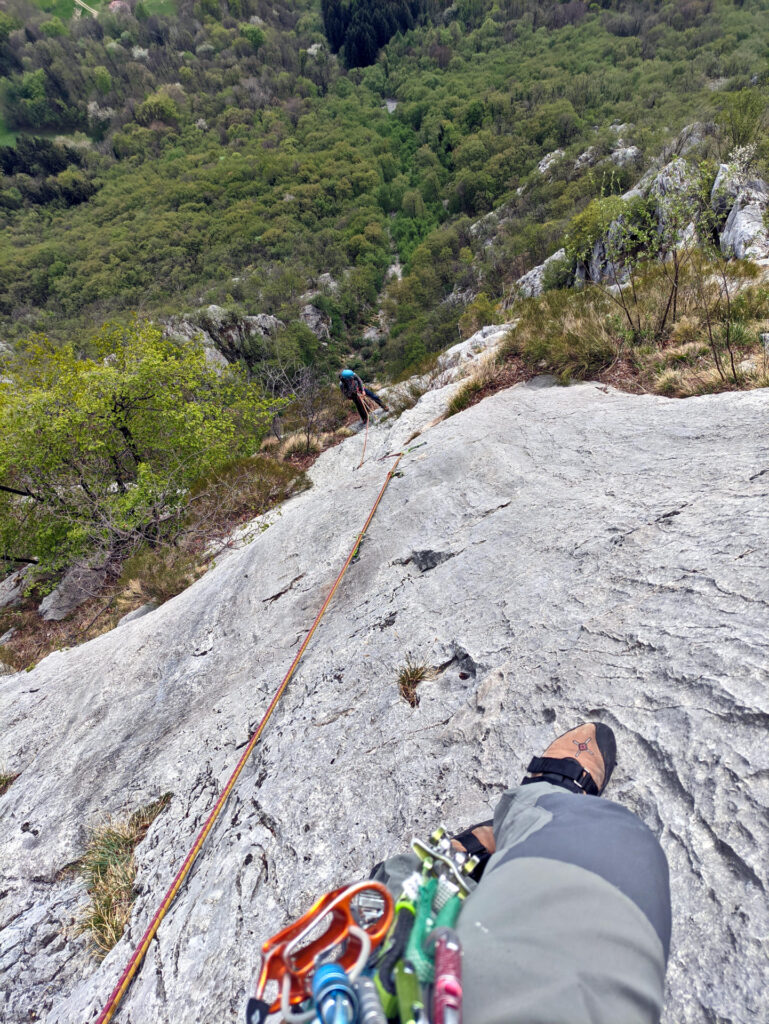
<point>410,676</point>
<point>109,869</point>
<point>296,444</point>
<point>6,781</point>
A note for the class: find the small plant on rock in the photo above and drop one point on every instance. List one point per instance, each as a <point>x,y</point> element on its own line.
<point>410,676</point>
<point>109,869</point>
<point>6,781</point>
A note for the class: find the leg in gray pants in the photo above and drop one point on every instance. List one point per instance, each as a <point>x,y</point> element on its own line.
<point>570,923</point>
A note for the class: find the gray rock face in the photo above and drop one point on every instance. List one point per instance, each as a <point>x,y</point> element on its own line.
<point>137,613</point>
<point>625,155</point>
<point>692,136</point>
<point>744,197</point>
<point>12,588</point>
<point>533,282</point>
<point>79,584</point>
<point>586,159</point>
<point>318,321</point>
<point>745,235</point>
<point>672,184</point>
<point>546,163</point>
<point>224,334</point>
<point>725,189</point>
<point>555,553</point>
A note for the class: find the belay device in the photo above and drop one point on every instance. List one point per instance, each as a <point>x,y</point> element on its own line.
<point>328,966</point>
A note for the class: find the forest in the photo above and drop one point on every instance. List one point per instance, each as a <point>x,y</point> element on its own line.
<point>157,159</point>
<point>395,168</point>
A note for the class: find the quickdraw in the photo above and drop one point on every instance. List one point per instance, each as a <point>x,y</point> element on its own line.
<point>323,966</point>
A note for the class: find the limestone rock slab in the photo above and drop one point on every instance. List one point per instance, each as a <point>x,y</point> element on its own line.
<point>553,553</point>
<point>745,235</point>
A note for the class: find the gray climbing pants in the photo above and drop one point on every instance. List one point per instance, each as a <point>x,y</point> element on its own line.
<point>570,923</point>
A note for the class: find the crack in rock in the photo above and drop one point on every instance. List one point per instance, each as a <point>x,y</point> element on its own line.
<point>285,590</point>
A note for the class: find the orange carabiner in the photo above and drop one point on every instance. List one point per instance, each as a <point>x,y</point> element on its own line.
<point>294,954</point>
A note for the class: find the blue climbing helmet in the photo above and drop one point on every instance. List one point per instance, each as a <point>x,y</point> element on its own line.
<point>346,373</point>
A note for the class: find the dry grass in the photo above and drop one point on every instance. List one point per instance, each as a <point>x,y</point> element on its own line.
<point>687,354</point>
<point>568,334</point>
<point>706,380</point>
<point>496,370</point>
<point>706,340</point>
<point>296,444</point>
<point>483,373</point>
<point>109,869</point>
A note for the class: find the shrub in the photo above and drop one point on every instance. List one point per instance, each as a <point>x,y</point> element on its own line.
<point>224,497</point>
<point>241,489</point>
<point>254,35</point>
<point>558,274</point>
<point>590,225</point>
<point>481,311</point>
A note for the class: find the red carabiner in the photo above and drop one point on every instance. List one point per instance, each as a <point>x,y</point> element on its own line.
<point>284,953</point>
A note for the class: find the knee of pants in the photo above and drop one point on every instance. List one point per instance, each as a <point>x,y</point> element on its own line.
<point>597,835</point>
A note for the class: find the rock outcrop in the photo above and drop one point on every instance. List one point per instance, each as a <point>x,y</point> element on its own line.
<point>547,162</point>
<point>741,198</point>
<point>12,588</point>
<point>317,321</point>
<point>226,336</point>
<point>553,553</point>
<point>738,199</point>
<point>79,584</point>
<point>533,282</point>
<point>745,235</point>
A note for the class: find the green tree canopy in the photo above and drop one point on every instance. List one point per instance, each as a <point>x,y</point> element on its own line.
<point>100,453</point>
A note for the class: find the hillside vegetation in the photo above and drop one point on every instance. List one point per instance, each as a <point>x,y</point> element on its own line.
<point>395,176</point>
<point>223,153</point>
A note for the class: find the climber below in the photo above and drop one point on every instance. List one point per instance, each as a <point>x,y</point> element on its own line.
<point>570,921</point>
<point>353,387</point>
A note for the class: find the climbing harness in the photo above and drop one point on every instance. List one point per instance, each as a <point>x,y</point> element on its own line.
<point>327,967</point>
<point>139,953</point>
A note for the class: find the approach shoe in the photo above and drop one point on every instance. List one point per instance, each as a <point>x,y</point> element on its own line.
<point>581,760</point>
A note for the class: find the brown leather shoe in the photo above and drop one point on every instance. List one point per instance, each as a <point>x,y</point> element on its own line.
<point>581,760</point>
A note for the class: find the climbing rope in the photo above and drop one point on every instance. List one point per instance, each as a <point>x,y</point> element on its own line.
<point>368,407</point>
<point>139,953</point>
